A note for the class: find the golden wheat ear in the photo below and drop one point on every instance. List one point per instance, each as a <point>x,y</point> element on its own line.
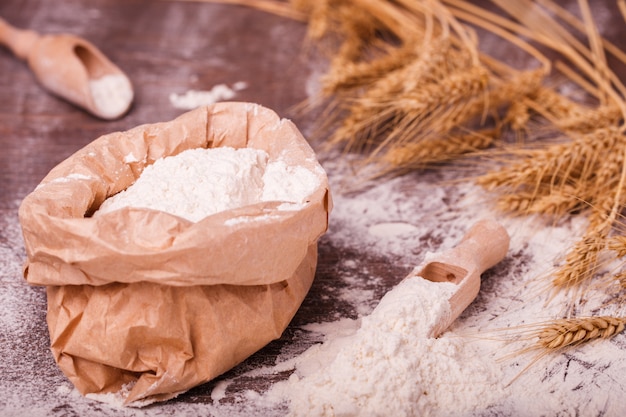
<point>564,333</point>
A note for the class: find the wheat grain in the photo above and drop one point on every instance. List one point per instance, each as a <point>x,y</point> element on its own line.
<point>564,333</point>
<point>437,149</point>
<point>394,102</point>
<point>603,210</point>
<point>532,170</point>
<point>501,93</point>
<point>607,174</point>
<point>430,97</point>
<point>618,245</point>
<point>541,201</point>
<point>557,165</point>
<point>348,75</point>
<point>317,13</point>
<point>407,78</point>
<point>433,62</point>
<point>359,121</point>
<point>555,106</point>
<point>518,115</point>
<point>430,106</point>
<point>585,121</point>
<point>359,30</point>
<point>518,203</point>
<point>581,262</point>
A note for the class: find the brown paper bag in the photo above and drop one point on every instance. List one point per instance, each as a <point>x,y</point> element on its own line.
<point>149,304</point>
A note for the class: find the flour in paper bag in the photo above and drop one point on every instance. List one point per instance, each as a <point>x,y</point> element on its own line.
<point>390,365</point>
<point>199,182</point>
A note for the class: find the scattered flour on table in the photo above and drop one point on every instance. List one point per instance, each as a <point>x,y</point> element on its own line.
<point>112,94</point>
<point>392,229</point>
<point>199,182</point>
<point>469,371</point>
<point>196,98</point>
<point>391,366</point>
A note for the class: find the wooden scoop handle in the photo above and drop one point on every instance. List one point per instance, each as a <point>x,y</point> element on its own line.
<point>19,41</point>
<point>483,246</point>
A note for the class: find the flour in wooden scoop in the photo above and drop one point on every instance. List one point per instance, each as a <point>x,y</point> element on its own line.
<point>390,365</point>
<point>112,95</point>
<point>199,182</point>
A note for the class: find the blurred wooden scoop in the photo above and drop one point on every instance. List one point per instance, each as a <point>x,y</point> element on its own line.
<point>483,246</point>
<point>73,69</point>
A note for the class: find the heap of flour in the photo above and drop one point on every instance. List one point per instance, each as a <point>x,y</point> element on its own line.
<point>199,182</point>
<point>391,366</point>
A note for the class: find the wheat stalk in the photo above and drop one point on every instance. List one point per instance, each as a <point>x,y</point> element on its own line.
<point>397,117</point>
<point>588,120</point>
<point>410,117</point>
<point>402,112</point>
<point>552,336</point>
<point>438,149</point>
<point>563,333</point>
<point>581,263</point>
<point>552,203</point>
<point>454,88</point>
<point>552,168</point>
<point>363,118</point>
<point>407,76</point>
<point>618,245</point>
<point>349,75</point>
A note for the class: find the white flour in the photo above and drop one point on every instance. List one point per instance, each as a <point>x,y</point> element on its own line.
<point>112,95</point>
<point>199,182</point>
<point>390,366</point>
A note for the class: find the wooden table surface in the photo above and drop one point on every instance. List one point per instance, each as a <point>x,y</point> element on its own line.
<point>165,47</point>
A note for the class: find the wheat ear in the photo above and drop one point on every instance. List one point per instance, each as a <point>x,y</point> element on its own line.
<point>438,149</point>
<point>563,333</point>
<point>581,263</point>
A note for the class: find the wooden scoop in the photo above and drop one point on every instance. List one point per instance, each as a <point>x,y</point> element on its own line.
<point>73,69</point>
<point>483,246</point>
